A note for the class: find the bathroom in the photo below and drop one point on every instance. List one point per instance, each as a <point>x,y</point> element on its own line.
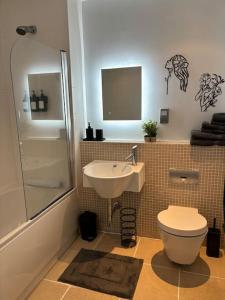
<point>64,50</point>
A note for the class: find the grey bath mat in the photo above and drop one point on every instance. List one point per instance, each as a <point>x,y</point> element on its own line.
<point>104,272</point>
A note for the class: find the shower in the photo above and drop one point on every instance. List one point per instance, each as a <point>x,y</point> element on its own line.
<point>22,30</point>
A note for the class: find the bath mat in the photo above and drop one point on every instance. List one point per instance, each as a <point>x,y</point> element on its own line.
<point>104,272</point>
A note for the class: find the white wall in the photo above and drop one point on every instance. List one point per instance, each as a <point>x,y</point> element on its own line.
<point>77,77</point>
<point>148,33</point>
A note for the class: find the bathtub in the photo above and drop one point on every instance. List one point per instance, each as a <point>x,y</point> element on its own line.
<point>12,206</point>
<point>28,252</point>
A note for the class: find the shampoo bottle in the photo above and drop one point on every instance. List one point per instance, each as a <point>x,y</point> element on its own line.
<point>89,132</point>
<point>34,102</point>
<point>43,102</point>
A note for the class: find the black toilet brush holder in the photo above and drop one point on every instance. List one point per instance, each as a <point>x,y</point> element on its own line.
<point>213,241</point>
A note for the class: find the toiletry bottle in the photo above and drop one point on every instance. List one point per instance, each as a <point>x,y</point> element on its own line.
<point>89,132</point>
<point>99,134</point>
<point>25,102</point>
<point>43,102</point>
<point>34,102</point>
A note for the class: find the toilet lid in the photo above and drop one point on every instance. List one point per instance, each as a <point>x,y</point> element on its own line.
<point>182,221</point>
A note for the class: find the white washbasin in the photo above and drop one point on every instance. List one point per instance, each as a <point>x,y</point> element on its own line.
<point>110,179</point>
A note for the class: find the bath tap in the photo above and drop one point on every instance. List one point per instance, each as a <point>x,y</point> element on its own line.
<point>132,156</point>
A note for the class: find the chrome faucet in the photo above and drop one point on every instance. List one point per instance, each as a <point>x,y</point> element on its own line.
<point>132,156</point>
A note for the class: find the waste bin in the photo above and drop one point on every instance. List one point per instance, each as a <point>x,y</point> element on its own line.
<point>88,225</point>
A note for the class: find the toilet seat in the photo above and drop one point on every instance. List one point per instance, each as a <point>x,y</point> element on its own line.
<point>182,221</point>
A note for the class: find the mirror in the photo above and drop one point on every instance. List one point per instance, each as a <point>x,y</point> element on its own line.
<point>45,96</point>
<point>121,93</point>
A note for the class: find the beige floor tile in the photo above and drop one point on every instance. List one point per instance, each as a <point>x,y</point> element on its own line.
<point>151,250</point>
<point>78,293</point>
<point>61,264</point>
<point>112,243</point>
<point>69,255</point>
<point>48,290</point>
<point>208,265</point>
<point>200,287</point>
<point>157,284</point>
<point>79,243</point>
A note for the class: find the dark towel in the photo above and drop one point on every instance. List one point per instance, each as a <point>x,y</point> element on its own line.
<point>213,131</point>
<point>218,123</point>
<point>197,134</point>
<point>218,117</point>
<point>206,125</point>
<point>198,142</point>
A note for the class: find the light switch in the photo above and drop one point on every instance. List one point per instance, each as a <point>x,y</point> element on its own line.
<point>164,115</point>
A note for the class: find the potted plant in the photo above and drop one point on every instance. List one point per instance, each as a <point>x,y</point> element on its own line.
<point>150,128</point>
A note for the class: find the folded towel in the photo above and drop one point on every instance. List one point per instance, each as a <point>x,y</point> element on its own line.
<point>218,123</point>
<point>207,125</point>
<point>52,184</point>
<point>213,131</point>
<point>197,134</point>
<point>198,142</point>
<point>218,117</point>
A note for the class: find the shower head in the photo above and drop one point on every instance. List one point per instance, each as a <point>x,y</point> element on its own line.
<point>22,30</point>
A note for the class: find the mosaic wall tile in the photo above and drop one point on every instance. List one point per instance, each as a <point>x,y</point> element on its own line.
<point>158,192</point>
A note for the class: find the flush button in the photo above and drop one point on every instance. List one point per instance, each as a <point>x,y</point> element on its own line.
<point>183,176</point>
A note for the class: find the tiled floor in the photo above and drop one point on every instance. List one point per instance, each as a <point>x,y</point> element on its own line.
<point>160,279</point>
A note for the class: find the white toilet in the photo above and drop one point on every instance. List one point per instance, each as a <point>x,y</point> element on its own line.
<point>182,230</point>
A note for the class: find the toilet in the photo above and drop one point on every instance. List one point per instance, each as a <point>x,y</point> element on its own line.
<point>182,230</point>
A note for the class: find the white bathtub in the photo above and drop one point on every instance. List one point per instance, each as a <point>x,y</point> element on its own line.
<point>27,253</point>
<point>12,209</point>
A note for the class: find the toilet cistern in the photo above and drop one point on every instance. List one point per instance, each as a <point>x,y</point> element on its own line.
<point>132,156</point>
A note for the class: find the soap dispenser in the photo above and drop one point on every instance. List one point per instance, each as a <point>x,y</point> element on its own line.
<point>89,133</point>
<point>43,102</point>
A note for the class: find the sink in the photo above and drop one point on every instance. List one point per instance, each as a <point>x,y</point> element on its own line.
<point>111,178</point>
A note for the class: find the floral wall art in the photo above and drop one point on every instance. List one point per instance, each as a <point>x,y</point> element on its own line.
<point>209,90</point>
<point>178,65</point>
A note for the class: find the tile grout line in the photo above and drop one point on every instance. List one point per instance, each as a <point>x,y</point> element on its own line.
<point>135,252</point>
<point>98,242</point>
<point>56,281</point>
<point>178,292</point>
<point>161,266</point>
<point>200,274</point>
<point>69,287</point>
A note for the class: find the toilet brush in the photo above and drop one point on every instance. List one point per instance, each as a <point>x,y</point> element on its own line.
<point>213,241</point>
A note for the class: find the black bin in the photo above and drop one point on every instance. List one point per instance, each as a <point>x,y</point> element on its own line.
<point>88,225</point>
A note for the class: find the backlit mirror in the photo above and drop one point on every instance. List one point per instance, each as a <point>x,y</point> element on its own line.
<point>45,96</point>
<point>121,93</point>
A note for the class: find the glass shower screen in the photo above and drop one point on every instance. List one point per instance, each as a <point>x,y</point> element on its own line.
<point>39,76</point>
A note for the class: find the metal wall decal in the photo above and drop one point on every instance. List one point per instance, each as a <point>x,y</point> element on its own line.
<point>209,90</point>
<point>179,65</point>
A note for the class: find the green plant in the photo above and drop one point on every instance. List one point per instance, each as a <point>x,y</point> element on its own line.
<point>150,128</point>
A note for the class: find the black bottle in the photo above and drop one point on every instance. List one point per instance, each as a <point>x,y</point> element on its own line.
<point>89,132</point>
<point>34,102</point>
<point>43,102</point>
<point>99,135</point>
